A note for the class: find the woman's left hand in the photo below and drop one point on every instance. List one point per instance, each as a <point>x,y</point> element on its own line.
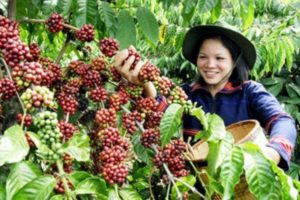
<point>272,154</point>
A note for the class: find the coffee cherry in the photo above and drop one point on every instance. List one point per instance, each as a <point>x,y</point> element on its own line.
<point>86,33</point>
<point>148,72</point>
<point>7,89</point>
<point>114,173</point>
<point>106,117</point>
<point>177,95</point>
<point>150,137</point>
<point>55,23</point>
<point>27,119</point>
<point>99,94</point>
<point>35,51</point>
<point>109,46</point>
<point>163,85</point>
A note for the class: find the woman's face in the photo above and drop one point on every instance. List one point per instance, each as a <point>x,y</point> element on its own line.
<point>214,62</point>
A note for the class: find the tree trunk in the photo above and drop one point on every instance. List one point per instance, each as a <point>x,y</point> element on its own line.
<point>11,9</point>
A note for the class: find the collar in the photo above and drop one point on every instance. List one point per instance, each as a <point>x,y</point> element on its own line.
<point>229,88</point>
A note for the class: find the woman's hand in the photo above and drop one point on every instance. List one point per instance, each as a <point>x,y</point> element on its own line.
<point>123,66</point>
<point>272,154</point>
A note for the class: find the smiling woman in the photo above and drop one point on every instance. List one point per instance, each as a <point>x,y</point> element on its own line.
<point>224,58</point>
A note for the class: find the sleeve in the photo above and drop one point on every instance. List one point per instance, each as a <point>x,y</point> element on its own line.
<point>278,124</point>
<point>162,100</point>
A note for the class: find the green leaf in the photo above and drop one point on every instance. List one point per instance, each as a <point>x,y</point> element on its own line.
<point>259,174</point>
<point>216,127</point>
<point>231,170</point>
<point>201,116</point>
<point>86,13</point>
<point>42,148</point>
<point>92,186</point>
<point>295,88</point>
<point>190,180</point>
<point>64,6</point>
<point>78,147</point>
<point>247,12</point>
<point>113,195</point>
<point>188,10</point>
<point>280,56</point>
<point>38,189</point>
<point>275,89</point>
<point>287,187</point>
<point>148,24</point>
<point>58,197</point>
<point>129,194</point>
<point>78,176</point>
<point>20,174</point>
<point>170,123</point>
<point>108,15</point>
<point>25,8</point>
<point>218,152</point>
<point>289,49</point>
<point>2,190</point>
<point>216,11</point>
<point>126,33</point>
<point>13,145</point>
<point>143,153</point>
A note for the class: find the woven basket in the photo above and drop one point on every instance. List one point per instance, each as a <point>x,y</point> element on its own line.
<point>248,130</point>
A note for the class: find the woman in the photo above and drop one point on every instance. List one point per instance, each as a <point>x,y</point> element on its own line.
<point>223,58</point>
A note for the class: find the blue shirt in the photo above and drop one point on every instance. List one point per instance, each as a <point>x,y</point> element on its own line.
<point>249,100</point>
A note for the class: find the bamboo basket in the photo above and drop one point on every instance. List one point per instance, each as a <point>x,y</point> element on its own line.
<point>248,130</point>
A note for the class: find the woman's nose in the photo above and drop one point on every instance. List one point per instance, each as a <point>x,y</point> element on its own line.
<point>211,63</point>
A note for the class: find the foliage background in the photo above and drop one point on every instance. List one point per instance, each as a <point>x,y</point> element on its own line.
<point>157,28</point>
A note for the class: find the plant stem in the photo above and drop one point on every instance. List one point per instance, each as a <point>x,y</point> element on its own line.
<point>10,77</point>
<point>168,190</point>
<point>150,185</point>
<point>170,175</point>
<point>117,190</point>
<point>63,178</point>
<point>193,189</point>
<point>62,51</point>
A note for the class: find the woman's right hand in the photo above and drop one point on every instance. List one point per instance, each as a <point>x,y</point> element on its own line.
<point>123,66</point>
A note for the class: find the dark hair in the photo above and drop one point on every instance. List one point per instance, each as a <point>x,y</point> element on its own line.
<point>240,72</point>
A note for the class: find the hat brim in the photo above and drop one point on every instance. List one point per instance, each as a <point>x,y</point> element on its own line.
<point>193,37</point>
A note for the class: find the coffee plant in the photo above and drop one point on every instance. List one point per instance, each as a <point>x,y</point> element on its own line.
<point>73,128</point>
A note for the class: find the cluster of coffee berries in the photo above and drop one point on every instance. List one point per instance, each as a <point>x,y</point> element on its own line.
<point>28,73</point>
<point>153,119</point>
<point>7,89</point>
<point>38,96</point>
<point>109,46</point>
<point>98,64</point>
<point>114,150</point>
<point>55,23</point>
<point>86,33</point>
<point>99,94</point>
<point>67,102</point>
<point>177,95</point>
<point>15,51</point>
<point>8,30</point>
<point>129,121</point>
<point>67,163</point>
<point>35,51</point>
<point>147,105</point>
<point>134,91</point>
<point>106,117</point>
<point>59,187</point>
<point>49,134</point>
<point>148,72</point>
<point>150,137</point>
<point>163,85</point>
<point>67,129</point>
<point>172,156</point>
<point>27,119</point>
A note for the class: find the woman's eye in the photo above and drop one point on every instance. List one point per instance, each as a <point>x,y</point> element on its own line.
<point>220,58</point>
<point>201,57</point>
